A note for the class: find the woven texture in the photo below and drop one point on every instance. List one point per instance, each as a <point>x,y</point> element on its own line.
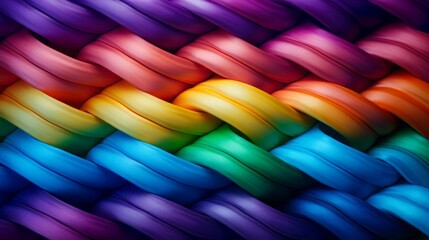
<point>214,119</point>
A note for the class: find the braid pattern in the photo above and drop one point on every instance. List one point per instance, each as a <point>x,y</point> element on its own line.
<point>214,119</point>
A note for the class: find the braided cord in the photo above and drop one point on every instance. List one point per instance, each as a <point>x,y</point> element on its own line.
<point>214,119</point>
